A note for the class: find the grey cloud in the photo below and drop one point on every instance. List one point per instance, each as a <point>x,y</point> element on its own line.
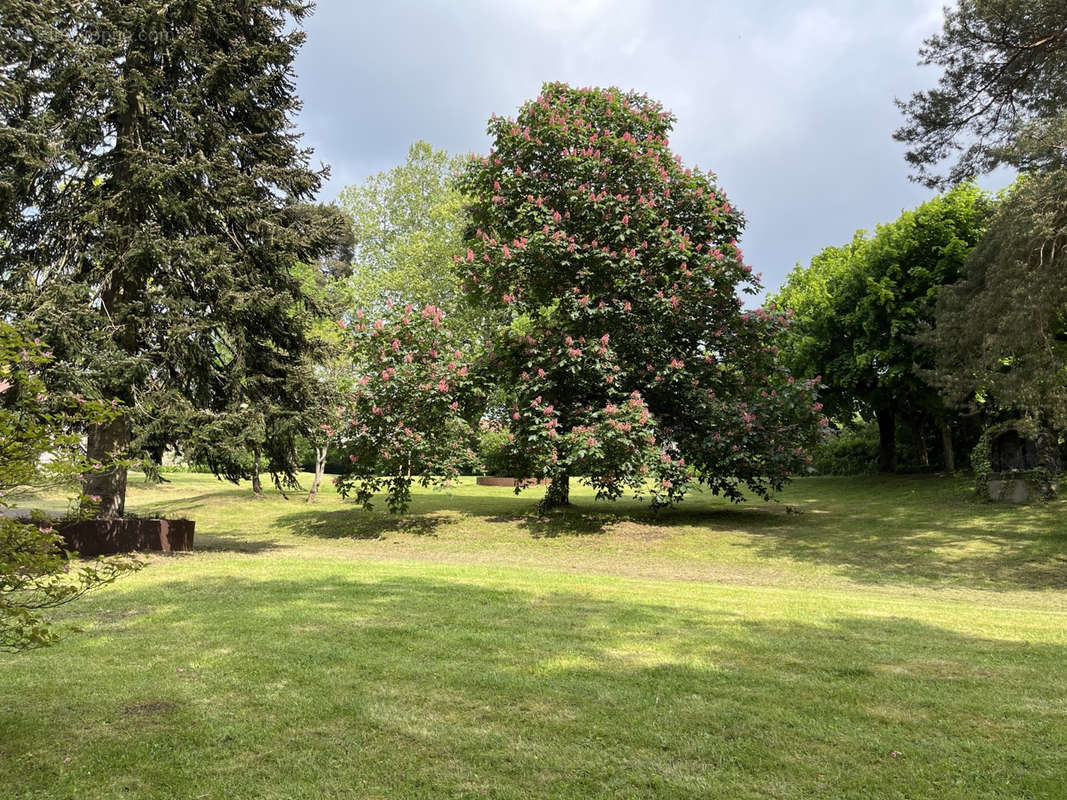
<point>791,105</point>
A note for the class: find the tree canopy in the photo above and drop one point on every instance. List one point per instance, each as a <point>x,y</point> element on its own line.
<point>407,224</point>
<point>1001,100</point>
<point>1001,331</point>
<point>154,206</point>
<point>1004,74</point>
<point>858,311</point>
<point>412,409</point>
<point>609,275</point>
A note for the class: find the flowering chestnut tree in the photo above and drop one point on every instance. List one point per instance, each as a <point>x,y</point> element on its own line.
<point>610,275</point>
<point>409,415</point>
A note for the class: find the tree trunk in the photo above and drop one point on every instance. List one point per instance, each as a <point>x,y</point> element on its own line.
<point>320,469</point>
<point>109,440</point>
<point>887,439</point>
<point>156,453</point>
<point>558,493</point>
<point>918,432</point>
<point>105,442</point>
<point>257,484</point>
<point>946,444</point>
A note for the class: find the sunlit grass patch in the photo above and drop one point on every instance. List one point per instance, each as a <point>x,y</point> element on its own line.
<point>476,649</point>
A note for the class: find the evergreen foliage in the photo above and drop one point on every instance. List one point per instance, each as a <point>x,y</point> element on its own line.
<point>1001,333</point>
<point>1004,77</point>
<point>153,207</point>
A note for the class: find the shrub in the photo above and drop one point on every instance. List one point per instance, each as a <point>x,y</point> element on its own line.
<point>35,573</point>
<point>848,451</point>
<point>493,450</point>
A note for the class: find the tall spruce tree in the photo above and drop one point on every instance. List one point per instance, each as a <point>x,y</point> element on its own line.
<point>152,207</point>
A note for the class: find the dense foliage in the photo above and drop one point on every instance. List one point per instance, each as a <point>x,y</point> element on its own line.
<point>609,277</point>
<point>848,450</point>
<point>408,222</point>
<point>153,207</point>
<point>411,411</point>
<point>1001,100</point>
<point>858,311</point>
<point>818,342</point>
<point>1001,332</point>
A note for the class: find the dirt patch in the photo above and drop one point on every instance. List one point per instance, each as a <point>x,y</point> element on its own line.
<point>149,707</point>
<point>492,480</point>
<point>637,532</point>
<point>108,615</point>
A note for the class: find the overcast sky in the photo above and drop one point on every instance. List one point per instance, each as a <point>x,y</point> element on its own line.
<point>790,103</point>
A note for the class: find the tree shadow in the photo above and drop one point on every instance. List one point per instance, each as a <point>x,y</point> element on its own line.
<point>192,503</point>
<point>234,542</point>
<point>424,682</point>
<point>946,538</point>
<point>584,517</point>
<point>357,523</point>
<point>877,530</point>
<point>572,521</point>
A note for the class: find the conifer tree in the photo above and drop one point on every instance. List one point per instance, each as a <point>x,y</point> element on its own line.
<point>1000,98</point>
<point>153,204</point>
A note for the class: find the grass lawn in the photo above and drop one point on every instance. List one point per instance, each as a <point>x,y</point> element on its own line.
<point>894,639</point>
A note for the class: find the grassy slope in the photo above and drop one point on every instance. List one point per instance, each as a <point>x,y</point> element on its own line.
<point>471,649</point>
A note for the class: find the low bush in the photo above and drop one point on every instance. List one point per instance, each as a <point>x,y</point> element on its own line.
<point>848,451</point>
<point>492,445</point>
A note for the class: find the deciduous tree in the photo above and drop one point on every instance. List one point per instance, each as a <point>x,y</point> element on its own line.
<point>407,223</point>
<point>411,411</point>
<point>609,274</point>
<point>858,311</point>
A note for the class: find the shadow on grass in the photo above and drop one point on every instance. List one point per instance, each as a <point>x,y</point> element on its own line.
<point>593,518</point>
<point>907,529</point>
<point>572,521</point>
<point>190,504</point>
<point>233,543</point>
<point>585,517</point>
<point>921,530</point>
<point>410,686</point>
<point>356,523</point>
